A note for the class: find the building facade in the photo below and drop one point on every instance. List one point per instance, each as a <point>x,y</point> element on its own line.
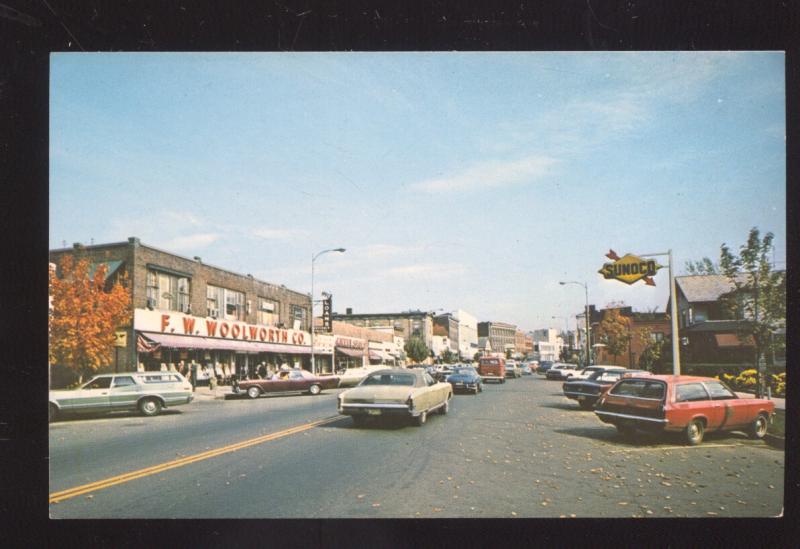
<point>447,326</point>
<point>467,334</point>
<point>404,325</point>
<point>187,312</point>
<point>502,336</point>
<point>548,343</point>
<point>656,326</point>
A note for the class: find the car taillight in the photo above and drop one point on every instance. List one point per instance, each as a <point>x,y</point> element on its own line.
<point>410,402</point>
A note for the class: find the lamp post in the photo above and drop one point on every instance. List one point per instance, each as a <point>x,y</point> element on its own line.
<point>586,312</point>
<point>313,259</point>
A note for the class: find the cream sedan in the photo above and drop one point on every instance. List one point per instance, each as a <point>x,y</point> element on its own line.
<point>396,392</point>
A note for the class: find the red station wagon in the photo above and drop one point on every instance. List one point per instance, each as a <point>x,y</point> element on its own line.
<point>687,404</point>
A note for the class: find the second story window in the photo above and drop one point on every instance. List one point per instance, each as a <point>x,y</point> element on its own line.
<point>224,303</point>
<point>298,315</point>
<point>268,313</point>
<point>168,291</point>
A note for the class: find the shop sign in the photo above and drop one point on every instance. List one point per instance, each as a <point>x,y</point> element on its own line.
<point>349,343</point>
<point>327,306</point>
<point>629,269</point>
<point>173,322</point>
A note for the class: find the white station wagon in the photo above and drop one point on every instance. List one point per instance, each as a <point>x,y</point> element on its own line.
<point>147,392</point>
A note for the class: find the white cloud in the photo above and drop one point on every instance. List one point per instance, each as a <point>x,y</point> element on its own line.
<point>490,174</point>
<point>191,242</point>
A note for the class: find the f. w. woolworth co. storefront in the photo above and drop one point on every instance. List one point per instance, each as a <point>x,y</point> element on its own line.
<point>187,312</point>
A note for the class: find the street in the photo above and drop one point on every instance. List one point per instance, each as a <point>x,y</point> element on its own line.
<point>519,449</point>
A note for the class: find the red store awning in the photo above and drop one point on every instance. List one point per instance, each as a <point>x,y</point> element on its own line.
<point>350,352</point>
<point>173,341</point>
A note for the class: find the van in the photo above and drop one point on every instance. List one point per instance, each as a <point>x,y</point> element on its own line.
<point>492,368</point>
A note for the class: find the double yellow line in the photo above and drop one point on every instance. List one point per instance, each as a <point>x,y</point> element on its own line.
<point>133,475</point>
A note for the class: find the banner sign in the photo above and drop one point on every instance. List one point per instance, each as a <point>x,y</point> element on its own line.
<point>326,314</point>
<point>629,269</point>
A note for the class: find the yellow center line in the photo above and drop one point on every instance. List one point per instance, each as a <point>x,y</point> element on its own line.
<point>55,497</point>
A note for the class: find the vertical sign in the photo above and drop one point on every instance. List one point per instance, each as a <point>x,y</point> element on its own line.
<point>326,313</point>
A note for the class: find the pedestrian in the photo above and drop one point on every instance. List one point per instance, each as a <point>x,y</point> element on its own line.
<point>212,383</point>
<point>193,378</point>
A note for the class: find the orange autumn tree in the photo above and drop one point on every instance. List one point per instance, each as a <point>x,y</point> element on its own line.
<point>84,316</point>
<point>614,332</point>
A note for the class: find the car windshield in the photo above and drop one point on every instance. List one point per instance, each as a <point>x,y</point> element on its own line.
<point>464,371</point>
<point>390,379</point>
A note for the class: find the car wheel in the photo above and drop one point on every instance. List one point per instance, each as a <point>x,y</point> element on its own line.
<point>315,389</point>
<point>586,404</point>
<point>758,428</point>
<point>150,407</point>
<point>421,419</point>
<point>52,413</point>
<point>253,392</point>
<point>694,432</point>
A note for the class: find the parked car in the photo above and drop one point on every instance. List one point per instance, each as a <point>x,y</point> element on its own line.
<point>492,368</point>
<point>589,390</point>
<point>396,392</point>
<point>587,372</point>
<point>513,369</point>
<point>544,366</point>
<point>526,369</point>
<point>685,404</point>
<point>286,381</point>
<point>353,376</point>
<point>562,371</point>
<point>147,392</point>
<point>465,378</point>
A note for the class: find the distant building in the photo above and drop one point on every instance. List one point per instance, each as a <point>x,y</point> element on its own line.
<point>548,343</point>
<point>467,334</point>
<point>447,326</point>
<point>405,324</point>
<point>503,336</point>
<point>656,324</point>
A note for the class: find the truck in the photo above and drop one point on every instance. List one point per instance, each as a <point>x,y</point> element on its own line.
<point>492,368</point>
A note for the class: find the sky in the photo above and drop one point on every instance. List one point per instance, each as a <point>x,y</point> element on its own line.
<point>472,181</point>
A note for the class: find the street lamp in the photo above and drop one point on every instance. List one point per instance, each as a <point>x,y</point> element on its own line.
<point>313,259</point>
<point>586,290</point>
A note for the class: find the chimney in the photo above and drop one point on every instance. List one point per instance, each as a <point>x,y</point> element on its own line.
<point>198,259</point>
<point>133,241</point>
<point>77,246</point>
<point>349,311</point>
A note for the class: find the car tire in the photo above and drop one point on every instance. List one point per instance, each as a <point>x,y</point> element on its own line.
<point>315,389</point>
<point>253,392</point>
<point>586,404</point>
<point>694,432</point>
<point>52,413</point>
<point>150,407</point>
<point>421,419</point>
<point>758,428</point>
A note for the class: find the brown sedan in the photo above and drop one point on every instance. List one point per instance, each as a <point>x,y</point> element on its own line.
<point>291,381</point>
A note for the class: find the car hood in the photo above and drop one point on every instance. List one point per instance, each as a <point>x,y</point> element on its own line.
<point>380,392</point>
<point>461,377</point>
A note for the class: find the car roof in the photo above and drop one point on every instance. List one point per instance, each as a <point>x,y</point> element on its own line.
<point>680,378</point>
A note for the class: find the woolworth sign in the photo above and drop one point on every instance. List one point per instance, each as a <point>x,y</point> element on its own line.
<point>629,269</point>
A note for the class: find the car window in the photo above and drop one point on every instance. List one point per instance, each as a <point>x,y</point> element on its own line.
<point>123,381</point>
<point>161,378</point>
<point>690,392</point>
<point>429,380</point>
<point>639,388</point>
<point>608,376</point>
<point>99,383</point>
<point>390,379</point>
<point>718,391</point>
<point>295,375</point>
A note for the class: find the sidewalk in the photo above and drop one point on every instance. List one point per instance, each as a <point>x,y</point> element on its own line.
<point>205,393</point>
<point>780,403</point>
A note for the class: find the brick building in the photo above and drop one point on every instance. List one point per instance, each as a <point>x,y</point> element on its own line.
<point>502,336</point>
<point>187,311</point>
<point>657,324</point>
<point>406,324</point>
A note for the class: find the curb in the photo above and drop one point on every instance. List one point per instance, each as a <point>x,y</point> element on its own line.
<point>775,441</point>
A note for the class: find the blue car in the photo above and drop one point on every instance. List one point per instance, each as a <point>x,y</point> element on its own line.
<point>465,378</point>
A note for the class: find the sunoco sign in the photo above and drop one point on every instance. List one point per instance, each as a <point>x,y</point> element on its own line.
<point>629,269</point>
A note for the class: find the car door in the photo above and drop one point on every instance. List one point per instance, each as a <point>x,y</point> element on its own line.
<point>124,392</point>
<point>91,397</point>
<point>692,400</point>
<point>297,382</point>
<point>734,414</point>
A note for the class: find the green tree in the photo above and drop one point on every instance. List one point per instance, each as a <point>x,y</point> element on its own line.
<point>703,267</point>
<point>448,356</point>
<point>416,349</point>
<point>614,333</point>
<point>652,351</point>
<point>758,298</point>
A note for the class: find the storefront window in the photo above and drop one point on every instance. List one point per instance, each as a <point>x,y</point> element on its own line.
<point>167,291</point>
<point>267,312</point>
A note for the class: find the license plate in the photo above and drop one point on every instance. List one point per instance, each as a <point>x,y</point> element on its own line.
<point>374,412</point>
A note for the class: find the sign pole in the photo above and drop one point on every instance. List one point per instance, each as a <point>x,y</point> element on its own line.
<point>673,304</point>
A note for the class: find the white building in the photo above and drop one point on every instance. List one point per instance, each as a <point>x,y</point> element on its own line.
<point>467,334</point>
<point>549,343</point>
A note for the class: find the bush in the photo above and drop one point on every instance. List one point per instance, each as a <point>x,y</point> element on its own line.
<point>748,379</point>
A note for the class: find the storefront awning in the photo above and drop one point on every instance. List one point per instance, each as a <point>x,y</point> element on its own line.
<point>350,352</point>
<point>731,340</point>
<point>172,341</point>
<point>377,354</point>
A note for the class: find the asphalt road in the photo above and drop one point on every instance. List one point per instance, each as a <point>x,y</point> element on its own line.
<point>516,450</point>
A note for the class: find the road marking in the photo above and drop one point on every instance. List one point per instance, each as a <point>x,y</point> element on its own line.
<point>701,446</point>
<point>133,475</point>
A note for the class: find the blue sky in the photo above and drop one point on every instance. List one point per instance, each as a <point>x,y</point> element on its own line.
<point>455,180</point>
